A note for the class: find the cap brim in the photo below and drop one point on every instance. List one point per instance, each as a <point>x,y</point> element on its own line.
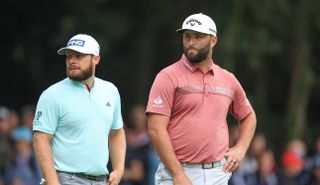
<point>180,30</point>
<point>62,51</point>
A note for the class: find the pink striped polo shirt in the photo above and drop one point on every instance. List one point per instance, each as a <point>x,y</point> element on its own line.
<point>197,105</point>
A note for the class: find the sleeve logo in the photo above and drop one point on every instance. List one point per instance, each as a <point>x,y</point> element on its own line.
<point>38,115</point>
<point>157,101</point>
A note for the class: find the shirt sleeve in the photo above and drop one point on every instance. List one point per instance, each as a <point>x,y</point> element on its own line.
<point>161,95</point>
<point>47,114</point>
<point>117,116</point>
<point>240,106</point>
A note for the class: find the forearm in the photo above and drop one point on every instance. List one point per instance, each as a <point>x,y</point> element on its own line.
<point>45,159</point>
<point>246,131</point>
<point>117,142</point>
<point>163,145</point>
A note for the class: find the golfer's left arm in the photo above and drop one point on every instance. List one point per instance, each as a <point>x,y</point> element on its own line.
<point>235,155</point>
<point>117,147</point>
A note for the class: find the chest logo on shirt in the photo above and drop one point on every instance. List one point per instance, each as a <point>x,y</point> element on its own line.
<point>108,104</point>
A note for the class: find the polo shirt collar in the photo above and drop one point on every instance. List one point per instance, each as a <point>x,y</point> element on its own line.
<point>192,67</point>
<point>80,84</point>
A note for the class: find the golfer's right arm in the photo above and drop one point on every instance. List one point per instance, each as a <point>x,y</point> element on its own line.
<point>157,129</point>
<point>41,144</point>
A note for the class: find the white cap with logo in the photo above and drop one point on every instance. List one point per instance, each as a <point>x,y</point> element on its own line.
<point>199,23</point>
<point>81,43</point>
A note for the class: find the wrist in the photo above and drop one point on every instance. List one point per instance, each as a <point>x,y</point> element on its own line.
<point>177,172</point>
<point>118,171</point>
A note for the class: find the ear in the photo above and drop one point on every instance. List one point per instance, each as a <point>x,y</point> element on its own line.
<point>214,40</point>
<point>96,60</point>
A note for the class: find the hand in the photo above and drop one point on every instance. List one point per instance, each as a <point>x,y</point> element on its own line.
<point>114,178</point>
<point>234,156</point>
<point>181,179</point>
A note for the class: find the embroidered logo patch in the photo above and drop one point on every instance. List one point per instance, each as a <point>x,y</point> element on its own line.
<point>108,104</point>
<point>38,115</point>
<point>76,42</point>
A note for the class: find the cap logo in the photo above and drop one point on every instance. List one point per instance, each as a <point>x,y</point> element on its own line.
<point>212,30</point>
<point>193,22</point>
<point>76,42</point>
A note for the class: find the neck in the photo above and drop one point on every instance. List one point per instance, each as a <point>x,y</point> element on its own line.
<point>205,65</point>
<point>89,82</point>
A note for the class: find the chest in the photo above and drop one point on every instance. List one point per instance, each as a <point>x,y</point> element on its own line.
<point>196,91</point>
<point>80,109</point>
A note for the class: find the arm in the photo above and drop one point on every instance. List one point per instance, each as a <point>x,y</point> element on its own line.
<point>117,142</point>
<point>247,128</point>
<point>41,144</point>
<point>157,129</point>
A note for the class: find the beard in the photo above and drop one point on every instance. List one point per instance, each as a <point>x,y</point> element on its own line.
<point>200,56</point>
<point>85,74</point>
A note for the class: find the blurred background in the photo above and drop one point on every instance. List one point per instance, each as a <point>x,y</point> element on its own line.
<point>272,46</point>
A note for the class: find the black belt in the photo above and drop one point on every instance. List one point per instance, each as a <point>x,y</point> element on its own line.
<point>89,177</point>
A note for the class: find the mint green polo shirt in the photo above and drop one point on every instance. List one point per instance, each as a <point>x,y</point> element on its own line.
<point>79,122</point>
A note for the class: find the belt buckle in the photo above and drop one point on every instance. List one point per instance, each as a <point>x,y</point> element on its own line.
<point>211,165</point>
<point>207,165</point>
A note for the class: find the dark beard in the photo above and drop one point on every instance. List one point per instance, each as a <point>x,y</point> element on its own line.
<point>198,58</point>
<point>83,76</point>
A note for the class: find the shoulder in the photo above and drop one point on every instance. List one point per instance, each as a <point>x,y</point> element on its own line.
<point>172,71</point>
<point>223,72</point>
<point>53,92</point>
<point>56,87</point>
<point>173,67</point>
<point>104,84</point>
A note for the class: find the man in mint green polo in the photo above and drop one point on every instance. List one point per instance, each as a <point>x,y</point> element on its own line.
<point>78,122</point>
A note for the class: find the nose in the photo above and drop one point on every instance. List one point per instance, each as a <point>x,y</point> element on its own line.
<point>191,41</point>
<point>71,59</point>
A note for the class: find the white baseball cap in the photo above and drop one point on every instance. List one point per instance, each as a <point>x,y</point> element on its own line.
<point>81,43</point>
<point>199,23</point>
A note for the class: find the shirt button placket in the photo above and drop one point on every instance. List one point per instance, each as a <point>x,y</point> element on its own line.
<point>206,86</point>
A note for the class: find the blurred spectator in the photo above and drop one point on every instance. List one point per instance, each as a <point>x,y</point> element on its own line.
<point>249,165</point>
<point>137,164</point>
<point>292,166</point>
<point>22,168</point>
<point>153,165</point>
<point>266,171</point>
<point>317,147</point>
<point>4,120</point>
<point>316,154</point>
<point>299,147</point>
<point>5,150</point>
<point>14,119</point>
<point>315,165</point>
<point>27,115</point>
<point>237,178</point>
<point>315,180</point>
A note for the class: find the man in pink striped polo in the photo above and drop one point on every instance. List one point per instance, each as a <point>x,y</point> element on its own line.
<point>187,110</point>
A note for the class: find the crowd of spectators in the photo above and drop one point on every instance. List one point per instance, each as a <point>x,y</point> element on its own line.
<point>18,165</point>
<point>295,166</point>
